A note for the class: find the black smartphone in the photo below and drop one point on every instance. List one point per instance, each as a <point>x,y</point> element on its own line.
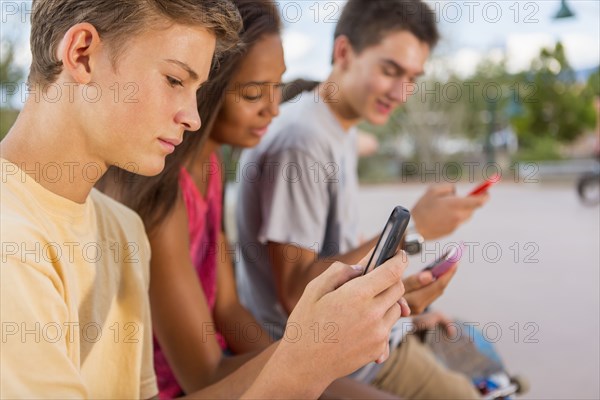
<point>389,241</point>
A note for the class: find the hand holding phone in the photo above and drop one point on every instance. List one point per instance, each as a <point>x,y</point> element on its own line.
<point>440,266</point>
<point>389,241</point>
<point>485,185</point>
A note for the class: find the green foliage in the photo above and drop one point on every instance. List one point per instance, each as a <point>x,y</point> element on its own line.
<point>560,108</point>
<point>7,119</point>
<point>593,84</point>
<point>9,74</point>
<point>539,149</point>
<point>545,106</point>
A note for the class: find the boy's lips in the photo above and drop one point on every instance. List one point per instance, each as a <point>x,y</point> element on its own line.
<point>383,107</point>
<point>170,143</point>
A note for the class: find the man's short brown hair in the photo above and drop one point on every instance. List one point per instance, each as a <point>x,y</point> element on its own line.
<point>116,20</point>
<point>366,22</point>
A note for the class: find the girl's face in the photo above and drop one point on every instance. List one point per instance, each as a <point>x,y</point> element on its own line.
<point>253,95</point>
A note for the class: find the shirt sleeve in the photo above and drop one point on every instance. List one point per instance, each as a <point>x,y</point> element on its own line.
<point>36,359</point>
<point>294,200</point>
<point>148,384</point>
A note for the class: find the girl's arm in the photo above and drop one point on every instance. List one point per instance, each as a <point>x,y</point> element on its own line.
<point>238,326</point>
<point>181,317</point>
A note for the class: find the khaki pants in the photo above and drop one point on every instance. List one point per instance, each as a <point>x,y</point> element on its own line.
<point>413,372</point>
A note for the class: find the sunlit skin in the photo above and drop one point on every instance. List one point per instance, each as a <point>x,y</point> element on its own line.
<point>369,85</point>
<point>158,65</point>
<point>253,96</point>
<point>166,68</point>
<point>132,115</point>
<point>251,102</point>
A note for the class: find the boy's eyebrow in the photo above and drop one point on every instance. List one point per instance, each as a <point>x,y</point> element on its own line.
<point>399,68</point>
<point>186,67</point>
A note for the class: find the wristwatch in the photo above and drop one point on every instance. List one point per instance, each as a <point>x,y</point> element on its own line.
<point>413,242</point>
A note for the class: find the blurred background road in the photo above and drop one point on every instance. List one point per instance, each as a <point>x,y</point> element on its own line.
<point>531,281</point>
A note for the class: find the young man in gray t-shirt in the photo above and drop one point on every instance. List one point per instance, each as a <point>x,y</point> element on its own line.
<point>299,187</point>
<point>297,208</point>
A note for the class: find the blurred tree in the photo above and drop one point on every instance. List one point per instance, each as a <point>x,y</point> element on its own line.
<point>10,74</point>
<point>559,107</point>
<point>8,71</point>
<point>544,106</point>
<point>593,84</point>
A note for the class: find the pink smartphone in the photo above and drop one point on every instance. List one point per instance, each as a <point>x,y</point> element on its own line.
<point>440,266</point>
<point>485,185</point>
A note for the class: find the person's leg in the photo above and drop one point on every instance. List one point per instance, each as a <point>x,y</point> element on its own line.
<point>413,372</point>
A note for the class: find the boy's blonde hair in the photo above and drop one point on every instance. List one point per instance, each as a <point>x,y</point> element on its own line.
<point>118,20</point>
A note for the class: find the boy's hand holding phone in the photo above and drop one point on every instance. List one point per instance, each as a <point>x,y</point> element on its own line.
<point>354,315</point>
<point>440,211</point>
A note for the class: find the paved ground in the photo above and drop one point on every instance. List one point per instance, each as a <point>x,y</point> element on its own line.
<point>532,280</point>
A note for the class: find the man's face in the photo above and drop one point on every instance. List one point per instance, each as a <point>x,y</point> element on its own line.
<point>150,100</point>
<point>381,77</point>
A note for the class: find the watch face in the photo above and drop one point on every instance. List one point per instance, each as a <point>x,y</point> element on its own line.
<point>413,243</point>
<point>412,247</point>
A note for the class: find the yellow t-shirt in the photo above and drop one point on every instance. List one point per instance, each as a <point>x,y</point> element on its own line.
<point>74,295</point>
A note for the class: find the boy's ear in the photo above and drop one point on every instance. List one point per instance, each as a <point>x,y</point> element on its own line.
<point>342,52</point>
<point>78,51</point>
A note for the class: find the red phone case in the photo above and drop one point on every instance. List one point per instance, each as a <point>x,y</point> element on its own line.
<point>485,185</point>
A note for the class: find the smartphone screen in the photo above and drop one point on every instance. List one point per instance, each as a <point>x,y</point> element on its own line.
<point>389,241</point>
<point>440,266</point>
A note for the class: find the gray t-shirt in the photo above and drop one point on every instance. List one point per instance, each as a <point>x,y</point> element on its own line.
<point>298,186</point>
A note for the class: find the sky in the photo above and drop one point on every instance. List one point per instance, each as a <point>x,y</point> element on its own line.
<point>471,30</point>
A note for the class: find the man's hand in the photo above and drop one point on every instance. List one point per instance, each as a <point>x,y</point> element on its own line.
<point>439,211</point>
<point>431,320</point>
<point>345,319</point>
<point>422,289</point>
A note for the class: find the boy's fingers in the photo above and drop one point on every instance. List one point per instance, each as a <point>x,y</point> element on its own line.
<point>443,188</point>
<point>470,202</point>
<point>332,278</point>
<point>382,358</point>
<point>365,260</point>
<point>390,296</point>
<point>405,310</point>
<point>386,275</point>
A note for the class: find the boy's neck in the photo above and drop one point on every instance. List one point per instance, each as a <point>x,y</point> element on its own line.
<point>48,147</point>
<point>332,93</point>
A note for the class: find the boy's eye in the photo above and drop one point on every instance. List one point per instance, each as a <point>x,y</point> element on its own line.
<point>389,72</point>
<point>174,82</point>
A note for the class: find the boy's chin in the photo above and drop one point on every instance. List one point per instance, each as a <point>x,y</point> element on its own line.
<point>378,119</point>
<point>151,168</point>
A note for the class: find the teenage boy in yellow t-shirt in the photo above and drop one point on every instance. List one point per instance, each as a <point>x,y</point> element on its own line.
<point>114,83</point>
